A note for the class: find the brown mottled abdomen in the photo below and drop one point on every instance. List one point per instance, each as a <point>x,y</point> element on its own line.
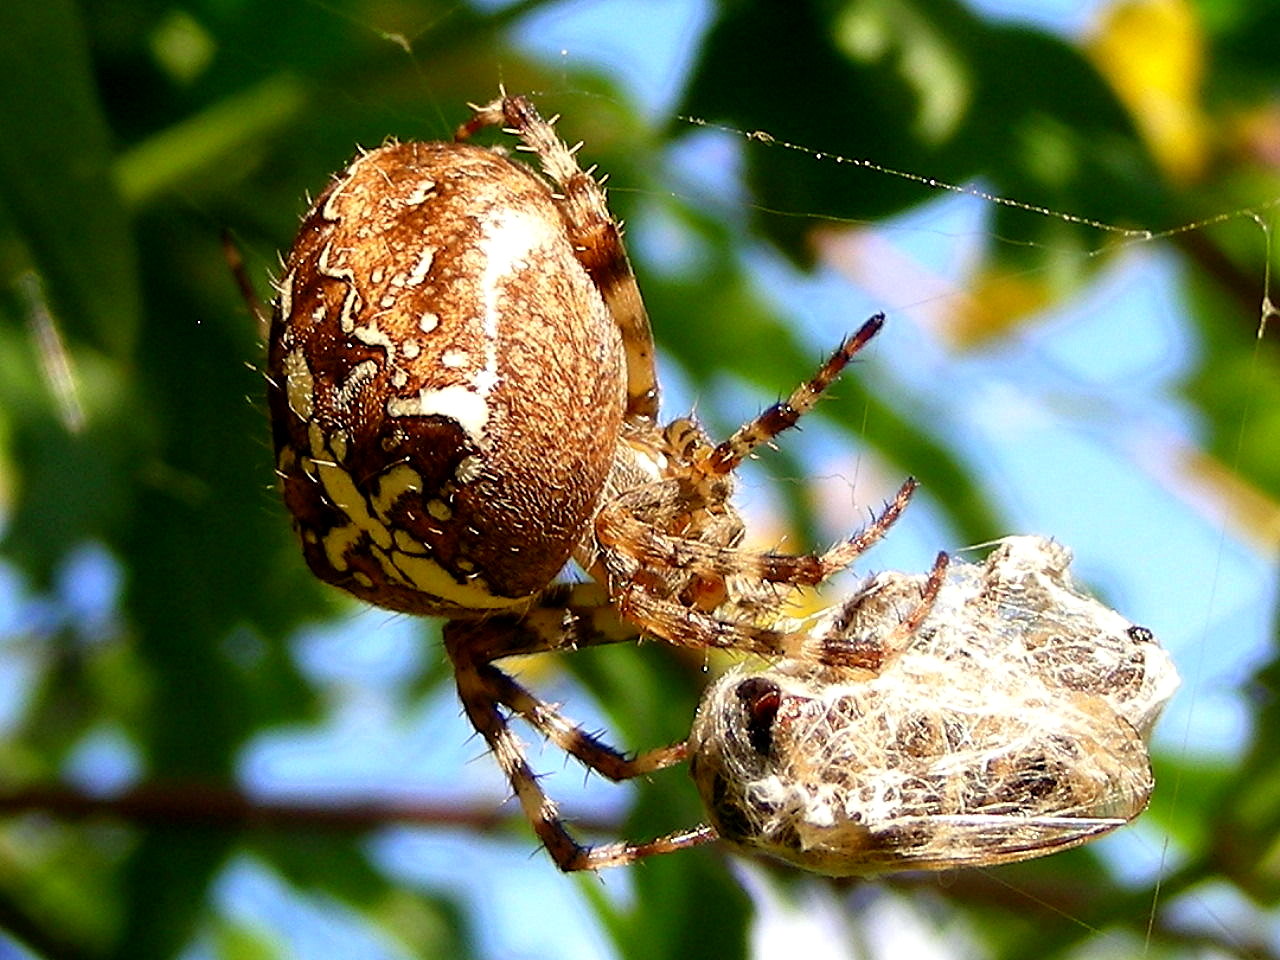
<point>445,382</point>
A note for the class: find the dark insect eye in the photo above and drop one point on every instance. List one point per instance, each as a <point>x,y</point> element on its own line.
<point>761,699</point>
<point>1140,635</point>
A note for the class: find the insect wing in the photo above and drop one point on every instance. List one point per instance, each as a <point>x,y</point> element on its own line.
<point>1024,799</point>
<point>976,840</point>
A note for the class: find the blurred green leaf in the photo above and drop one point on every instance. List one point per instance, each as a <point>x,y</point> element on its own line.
<point>55,175</point>
<point>240,942</point>
<point>163,887</point>
<point>191,153</point>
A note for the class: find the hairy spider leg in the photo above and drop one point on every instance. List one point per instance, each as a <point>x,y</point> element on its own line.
<point>642,597</point>
<point>836,645</point>
<point>235,261</point>
<point>565,617</point>
<point>622,526</point>
<point>782,416</point>
<point>596,236</point>
<point>483,689</point>
<point>638,549</point>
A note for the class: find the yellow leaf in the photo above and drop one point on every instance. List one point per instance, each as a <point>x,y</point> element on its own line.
<point>1152,54</point>
<point>998,302</point>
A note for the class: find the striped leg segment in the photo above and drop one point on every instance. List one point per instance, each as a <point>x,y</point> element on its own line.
<point>783,416</point>
<point>484,690</point>
<point>595,234</point>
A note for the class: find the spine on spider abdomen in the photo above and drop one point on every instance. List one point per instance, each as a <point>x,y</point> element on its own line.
<point>445,382</point>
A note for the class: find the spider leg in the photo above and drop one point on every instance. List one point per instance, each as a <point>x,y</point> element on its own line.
<point>839,644</point>
<point>781,416</point>
<point>482,694</point>
<point>928,594</point>
<point>564,617</point>
<point>567,616</point>
<point>596,236</point>
<point>642,602</point>
<point>235,262</point>
<point>621,526</point>
<point>571,738</point>
<point>648,566</point>
<point>641,599</point>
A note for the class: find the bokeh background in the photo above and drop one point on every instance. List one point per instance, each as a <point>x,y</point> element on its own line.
<point>206,754</point>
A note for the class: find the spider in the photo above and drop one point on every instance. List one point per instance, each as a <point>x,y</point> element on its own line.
<point>463,397</point>
<point>1005,721</point>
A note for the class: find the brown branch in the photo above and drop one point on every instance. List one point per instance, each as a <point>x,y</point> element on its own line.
<point>207,805</point>
<point>220,807</point>
<point>1239,285</point>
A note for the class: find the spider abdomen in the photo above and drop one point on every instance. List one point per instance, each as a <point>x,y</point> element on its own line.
<point>446,382</point>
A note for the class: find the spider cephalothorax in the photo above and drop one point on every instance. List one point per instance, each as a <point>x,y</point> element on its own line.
<point>463,397</point>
